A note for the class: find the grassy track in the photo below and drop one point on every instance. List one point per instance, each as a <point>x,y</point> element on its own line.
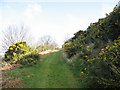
<point>52,72</point>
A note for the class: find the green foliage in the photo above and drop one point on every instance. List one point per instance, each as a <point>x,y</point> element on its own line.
<point>46,46</point>
<point>105,68</point>
<point>15,50</point>
<point>97,34</point>
<point>110,56</point>
<point>29,59</point>
<point>21,54</point>
<point>41,48</point>
<point>98,63</point>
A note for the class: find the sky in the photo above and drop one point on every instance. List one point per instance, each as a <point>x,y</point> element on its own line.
<point>57,18</point>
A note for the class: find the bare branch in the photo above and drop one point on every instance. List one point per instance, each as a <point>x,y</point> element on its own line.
<point>14,34</point>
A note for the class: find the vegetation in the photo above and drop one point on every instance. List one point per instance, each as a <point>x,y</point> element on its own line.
<point>92,56</point>
<point>46,43</point>
<point>98,52</point>
<point>51,72</point>
<point>20,53</point>
<point>13,34</point>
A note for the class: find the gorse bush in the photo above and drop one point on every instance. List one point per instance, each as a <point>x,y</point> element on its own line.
<point>96,36</point>
<point>20,53</point>
<point>110,55</point>
<point>29,59</point>
<point>105,68</point>
<point>98,51</point>
<point>15,50</point>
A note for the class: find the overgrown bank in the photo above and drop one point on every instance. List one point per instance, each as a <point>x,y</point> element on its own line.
<point>97,52</point>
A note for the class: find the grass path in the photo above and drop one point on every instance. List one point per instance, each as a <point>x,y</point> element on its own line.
<point>52,72</point>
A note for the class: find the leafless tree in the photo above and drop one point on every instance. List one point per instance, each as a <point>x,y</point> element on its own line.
<point>47,41</point>
<point>13,34</point>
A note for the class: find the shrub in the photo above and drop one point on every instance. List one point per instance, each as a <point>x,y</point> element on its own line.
<point>105,68</point>
<point>110,56</point>
<point>99,53</point>
<point>29,59</point>
<point>20,53</point>
<point>14,51</point>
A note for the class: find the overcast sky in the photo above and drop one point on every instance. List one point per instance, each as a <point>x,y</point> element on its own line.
<point>57,18</point>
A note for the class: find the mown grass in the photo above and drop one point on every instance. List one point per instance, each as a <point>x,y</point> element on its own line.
<point>51,72</point>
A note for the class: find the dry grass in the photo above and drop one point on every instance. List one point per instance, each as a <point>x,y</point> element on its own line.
<point>46,53</point>
<point>11,83</point>
<point>8,81</point>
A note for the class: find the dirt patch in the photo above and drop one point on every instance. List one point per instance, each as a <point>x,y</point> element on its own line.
<point>45,53</point>
<point>9,67</point>
<point>12,80</point>
<point>8,82</point>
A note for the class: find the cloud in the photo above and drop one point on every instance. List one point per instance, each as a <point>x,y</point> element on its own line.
<point>32,10</point>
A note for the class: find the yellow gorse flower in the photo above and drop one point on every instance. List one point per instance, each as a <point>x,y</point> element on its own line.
<point>11,48</point>
<point>82,72</point>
